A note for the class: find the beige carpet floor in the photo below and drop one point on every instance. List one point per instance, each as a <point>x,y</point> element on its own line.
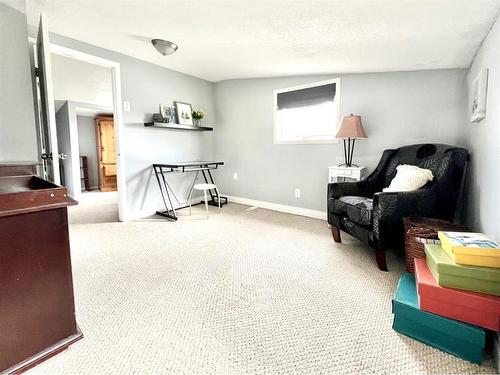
<point>245,292</point>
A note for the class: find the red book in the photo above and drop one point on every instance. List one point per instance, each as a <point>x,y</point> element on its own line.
<point>471,307</point>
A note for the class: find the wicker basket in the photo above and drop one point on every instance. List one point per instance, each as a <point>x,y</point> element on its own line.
<point>421,230</point>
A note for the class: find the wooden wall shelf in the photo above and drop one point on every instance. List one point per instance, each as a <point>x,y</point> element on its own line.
<point>170,125</point>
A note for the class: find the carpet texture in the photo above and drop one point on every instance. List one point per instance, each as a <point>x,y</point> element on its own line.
<point>244,292</point>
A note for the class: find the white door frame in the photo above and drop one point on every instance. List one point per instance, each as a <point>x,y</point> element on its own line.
<point>117,114</point>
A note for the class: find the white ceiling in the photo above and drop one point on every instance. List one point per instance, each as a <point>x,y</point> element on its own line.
<point>221,40</point>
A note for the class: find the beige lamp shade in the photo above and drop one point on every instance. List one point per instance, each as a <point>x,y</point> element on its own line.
<point>351,127</point>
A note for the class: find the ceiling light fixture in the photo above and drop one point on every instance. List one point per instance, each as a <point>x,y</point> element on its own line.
<point>164,46</point>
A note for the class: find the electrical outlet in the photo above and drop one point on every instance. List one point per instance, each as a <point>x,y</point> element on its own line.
<point>126,106</point>
<point>235,175</point>
<point>297,193</point>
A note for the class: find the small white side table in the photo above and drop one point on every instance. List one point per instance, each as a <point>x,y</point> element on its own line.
<point>354,173</point>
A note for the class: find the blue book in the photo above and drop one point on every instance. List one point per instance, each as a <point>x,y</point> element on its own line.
<point>451,336</point>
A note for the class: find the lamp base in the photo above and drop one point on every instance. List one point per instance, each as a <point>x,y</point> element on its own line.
<point>348,152</point>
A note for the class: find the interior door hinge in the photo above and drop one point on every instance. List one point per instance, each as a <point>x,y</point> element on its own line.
<point>37,72</point>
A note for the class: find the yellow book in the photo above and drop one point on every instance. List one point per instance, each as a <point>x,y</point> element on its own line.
<point>474,249</point>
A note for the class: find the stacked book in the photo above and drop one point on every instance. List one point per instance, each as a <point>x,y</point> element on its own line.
<point>454,297</point>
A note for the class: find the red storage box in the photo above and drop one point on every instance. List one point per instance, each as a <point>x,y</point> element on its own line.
<point>475,308</point>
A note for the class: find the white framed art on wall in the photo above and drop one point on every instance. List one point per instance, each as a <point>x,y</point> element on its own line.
<point>478,97</point>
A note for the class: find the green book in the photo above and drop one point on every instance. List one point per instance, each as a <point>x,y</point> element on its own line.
<point>452,275</point>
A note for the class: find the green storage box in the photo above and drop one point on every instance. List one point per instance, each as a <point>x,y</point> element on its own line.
<point>451,275</point>
<point>460,339</point>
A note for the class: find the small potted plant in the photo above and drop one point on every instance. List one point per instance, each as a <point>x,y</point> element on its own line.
<point>198,114</point>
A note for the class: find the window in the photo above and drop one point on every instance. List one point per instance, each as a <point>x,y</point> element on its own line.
<point>307,113</point>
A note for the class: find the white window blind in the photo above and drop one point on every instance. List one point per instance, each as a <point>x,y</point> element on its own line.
<point>307,113</point>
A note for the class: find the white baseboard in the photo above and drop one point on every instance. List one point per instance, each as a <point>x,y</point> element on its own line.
<point>294,210</point>
<point>278,207</point>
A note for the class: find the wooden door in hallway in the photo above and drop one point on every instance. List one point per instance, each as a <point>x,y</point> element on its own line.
<point>106,153</point>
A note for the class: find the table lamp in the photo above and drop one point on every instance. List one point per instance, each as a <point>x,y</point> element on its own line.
<point>349,130</point>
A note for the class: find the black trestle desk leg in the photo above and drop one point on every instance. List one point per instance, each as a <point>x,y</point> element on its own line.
<point>159,186</point>
<point>168,213</point>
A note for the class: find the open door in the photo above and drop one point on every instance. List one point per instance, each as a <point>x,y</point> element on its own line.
<point>47,126</point>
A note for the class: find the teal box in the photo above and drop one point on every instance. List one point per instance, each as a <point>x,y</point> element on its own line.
<point>460,339</point>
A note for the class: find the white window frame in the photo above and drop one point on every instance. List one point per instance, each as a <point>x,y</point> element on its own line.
<point>311,139</point>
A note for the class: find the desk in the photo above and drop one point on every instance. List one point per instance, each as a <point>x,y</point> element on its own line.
<point>161,172</point>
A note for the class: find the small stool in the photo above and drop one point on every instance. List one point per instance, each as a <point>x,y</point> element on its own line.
<point>205,188</point>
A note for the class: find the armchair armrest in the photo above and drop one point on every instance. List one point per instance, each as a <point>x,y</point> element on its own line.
<point>339,189</point>
<point>389,209</point>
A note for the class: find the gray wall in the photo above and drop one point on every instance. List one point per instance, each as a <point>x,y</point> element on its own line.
<point>484,143</point>
<point>87,143</point>
<point>17,118</point>
<point>81,81</point>
<point>397,109</point>
<point>145,86</point>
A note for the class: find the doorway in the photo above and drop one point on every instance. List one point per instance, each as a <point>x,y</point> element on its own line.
<point>88,169</point>
<point>85,147</point>
<point>114,68</point>
<point>43,44</point>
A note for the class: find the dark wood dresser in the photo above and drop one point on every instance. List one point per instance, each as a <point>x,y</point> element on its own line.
<point>17,168</point>
<point>37,309</point>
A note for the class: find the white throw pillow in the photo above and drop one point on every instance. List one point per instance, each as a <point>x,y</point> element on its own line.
<point>409,178</point>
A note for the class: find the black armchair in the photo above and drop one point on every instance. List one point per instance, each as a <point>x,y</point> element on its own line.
<point>376,218</point>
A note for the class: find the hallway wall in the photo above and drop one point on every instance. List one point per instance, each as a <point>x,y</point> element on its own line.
<point>87,143</point>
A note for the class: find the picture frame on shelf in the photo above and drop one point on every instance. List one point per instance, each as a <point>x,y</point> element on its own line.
<point>184,113</point>
<point>168,113</point>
